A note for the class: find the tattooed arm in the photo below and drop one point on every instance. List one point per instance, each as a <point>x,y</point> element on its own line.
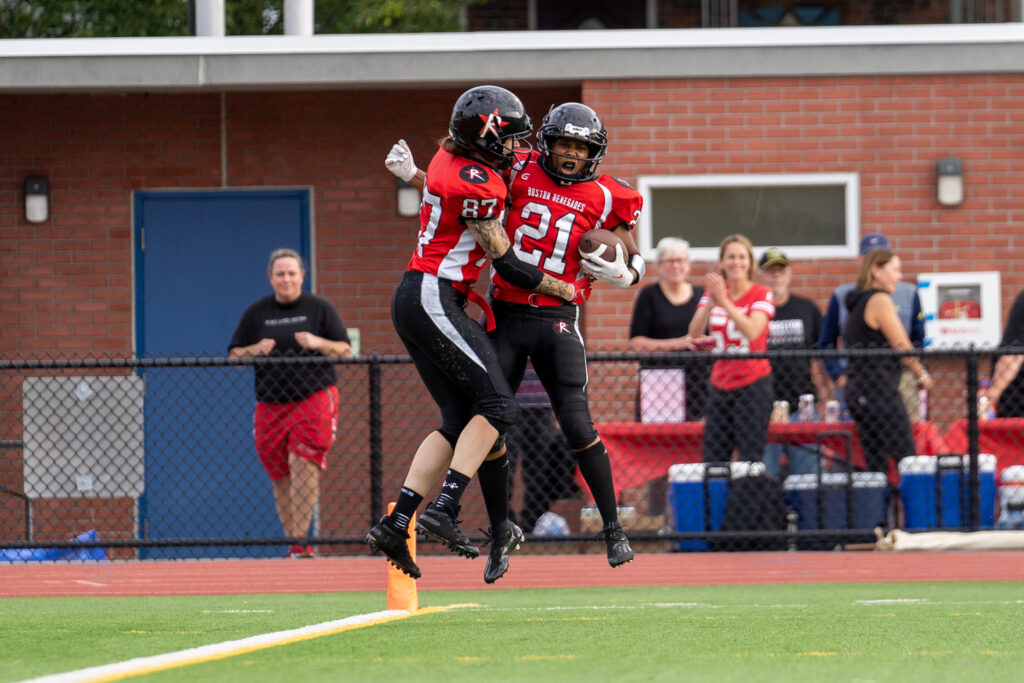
<point>491,236</point>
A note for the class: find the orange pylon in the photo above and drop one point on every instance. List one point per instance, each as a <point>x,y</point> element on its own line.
<point>401,587</point>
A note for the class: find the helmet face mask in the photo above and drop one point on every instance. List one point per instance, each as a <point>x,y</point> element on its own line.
<point>574,121</point>
<point>491,123</point>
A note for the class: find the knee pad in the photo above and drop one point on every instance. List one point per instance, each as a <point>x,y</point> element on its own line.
<point>455,415</point>
<point>590,451</point>
<point>450,434</point>
<point>498,449</point>
<point>501,413</point>
<point>576,423</point>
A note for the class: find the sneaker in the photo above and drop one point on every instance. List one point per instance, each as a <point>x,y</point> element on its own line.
<point>619,551</point>
<point>439,523</point>
<point>309,551</point>
<point>294,551</point>
<point>503,541</point>
<point>392,544</point>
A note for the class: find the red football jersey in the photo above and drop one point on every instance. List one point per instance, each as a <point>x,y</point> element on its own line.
<point>545,220</point>
<point>733,374</point>
<point>455,188</point>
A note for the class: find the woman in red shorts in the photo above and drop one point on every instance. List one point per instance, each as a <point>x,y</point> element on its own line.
<point>296,413</point>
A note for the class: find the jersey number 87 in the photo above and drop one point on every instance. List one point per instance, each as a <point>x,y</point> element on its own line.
<point>472,208</point>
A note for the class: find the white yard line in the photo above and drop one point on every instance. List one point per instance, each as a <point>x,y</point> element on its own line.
<point>144,665</point>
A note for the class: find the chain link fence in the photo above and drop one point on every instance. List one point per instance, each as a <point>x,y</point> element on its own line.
<point>154,458</point>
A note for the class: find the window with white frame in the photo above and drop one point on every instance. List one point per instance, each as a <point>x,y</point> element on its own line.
<point>813,215</point>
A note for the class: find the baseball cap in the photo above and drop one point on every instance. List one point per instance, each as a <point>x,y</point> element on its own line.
<point>873,240</point>
<point>773,257</point>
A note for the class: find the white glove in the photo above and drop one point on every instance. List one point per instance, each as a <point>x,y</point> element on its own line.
<point>399,161</point>
<point>615,272</point>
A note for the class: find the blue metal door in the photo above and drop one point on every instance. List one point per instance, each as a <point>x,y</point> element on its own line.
<point>200,259</point>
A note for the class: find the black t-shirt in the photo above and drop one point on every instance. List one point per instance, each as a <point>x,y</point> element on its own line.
<point>796,325</point>
<point>655,317</point>
<point>268,319</point>
<point>1011,402</point>
<point>868,375</point>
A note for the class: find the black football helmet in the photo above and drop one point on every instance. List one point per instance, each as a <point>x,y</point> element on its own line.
<point>579,122</point>
<point>484,118</point>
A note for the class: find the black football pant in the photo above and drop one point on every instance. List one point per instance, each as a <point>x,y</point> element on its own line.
<point>548,337</point>
<point>452,354</point>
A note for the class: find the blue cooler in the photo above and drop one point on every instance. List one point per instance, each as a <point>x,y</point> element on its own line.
<point>867,509</point>
<point>918,491</point>
<point>697,494</point>
<point>935,494</point>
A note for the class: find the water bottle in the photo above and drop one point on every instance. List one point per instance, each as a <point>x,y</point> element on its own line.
<point>807,412</point>
<point>792,527</point>
<point>985,409</point>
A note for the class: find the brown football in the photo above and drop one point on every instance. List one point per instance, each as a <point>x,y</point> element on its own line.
<point>602,239</point>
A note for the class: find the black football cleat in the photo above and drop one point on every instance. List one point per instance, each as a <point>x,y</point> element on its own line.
<point>619,552</point>
<point>392,544</point>
<point>439,523</point>
<point>504,540</point>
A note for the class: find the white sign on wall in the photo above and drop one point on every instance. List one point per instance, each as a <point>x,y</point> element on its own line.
<point>960,309</point>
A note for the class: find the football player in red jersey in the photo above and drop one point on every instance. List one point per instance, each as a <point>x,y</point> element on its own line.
<point>555,197</point>
<point>460,228</point>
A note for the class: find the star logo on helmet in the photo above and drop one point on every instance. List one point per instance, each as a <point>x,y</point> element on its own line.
<point>492,124</point>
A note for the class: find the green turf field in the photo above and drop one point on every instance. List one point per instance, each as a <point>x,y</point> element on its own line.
<point>903,632</point>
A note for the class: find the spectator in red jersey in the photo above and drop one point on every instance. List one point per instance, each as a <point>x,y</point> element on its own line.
<point>460,228</point>
<point>735,312</point>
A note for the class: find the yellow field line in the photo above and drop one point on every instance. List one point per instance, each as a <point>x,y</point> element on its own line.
<point>206,653</point>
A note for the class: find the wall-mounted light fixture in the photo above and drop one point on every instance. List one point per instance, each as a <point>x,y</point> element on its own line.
<point>37,199</point>
<point>408,199</point>
<point>950,186</point>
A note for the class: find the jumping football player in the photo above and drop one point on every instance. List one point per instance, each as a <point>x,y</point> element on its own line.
<point>555,197</point>
<point>460,227</point>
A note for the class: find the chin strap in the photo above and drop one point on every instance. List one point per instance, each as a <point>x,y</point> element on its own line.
<point>636,262</point>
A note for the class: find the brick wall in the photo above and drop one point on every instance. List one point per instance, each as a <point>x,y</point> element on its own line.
<point>66,284</point>
<point>891,130</point>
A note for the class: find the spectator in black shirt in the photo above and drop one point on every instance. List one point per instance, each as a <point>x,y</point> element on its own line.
<point>796,325</point>
<point>297,404</point>
<point>1006,392</point>
<point>873,387</point>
